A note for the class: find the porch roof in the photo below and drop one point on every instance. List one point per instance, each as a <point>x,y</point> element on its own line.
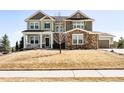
<point>105,34</point>
<point>34,30</point>
<point>90,32</point>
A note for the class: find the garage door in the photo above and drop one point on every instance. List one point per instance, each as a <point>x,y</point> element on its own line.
<point>103,43</point>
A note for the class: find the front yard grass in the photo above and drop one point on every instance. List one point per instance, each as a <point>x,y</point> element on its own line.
<point>69,59</point>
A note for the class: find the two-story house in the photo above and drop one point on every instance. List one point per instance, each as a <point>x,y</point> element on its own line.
<point>77,29</point>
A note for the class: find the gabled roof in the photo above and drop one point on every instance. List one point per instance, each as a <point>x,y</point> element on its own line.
<point>37,16</point>
<point>61,17</point>
<point>79,15</point>
<point>34,30</point>
<point>47,17</point>
<point>81,30</point>
<point>104,34</point>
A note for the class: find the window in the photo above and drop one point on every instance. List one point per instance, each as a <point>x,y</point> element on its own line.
<point>34,39</point>
<point>77,39</point>
<point>34,25</point>
<point>80,39</point>
<point>78,24</point>
<point>74,37</point>
<point>59,28</point>
<point>47,25</point>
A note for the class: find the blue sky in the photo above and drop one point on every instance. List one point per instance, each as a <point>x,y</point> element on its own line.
<point>109,21</point>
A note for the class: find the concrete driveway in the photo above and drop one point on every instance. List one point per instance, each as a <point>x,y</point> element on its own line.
<point>120,51</point>
<point>64,73</point>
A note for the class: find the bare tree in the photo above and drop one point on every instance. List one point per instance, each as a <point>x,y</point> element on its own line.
<point>59,36</point>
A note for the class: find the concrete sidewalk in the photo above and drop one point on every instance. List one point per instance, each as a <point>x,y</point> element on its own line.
<point>64,73</point>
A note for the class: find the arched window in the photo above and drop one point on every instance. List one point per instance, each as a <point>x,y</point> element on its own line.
<point>57,28</point>
<point>61,29</point>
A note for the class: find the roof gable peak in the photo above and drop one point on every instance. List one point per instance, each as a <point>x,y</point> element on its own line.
<point>37,16</point>
<point>79,14</point>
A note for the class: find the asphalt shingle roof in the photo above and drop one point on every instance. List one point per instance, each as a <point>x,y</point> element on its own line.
<point>104,34</point>
<point>37,16</point>
<point>34,30</point>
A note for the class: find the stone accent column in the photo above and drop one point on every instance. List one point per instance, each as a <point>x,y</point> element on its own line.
<point>40,40</point>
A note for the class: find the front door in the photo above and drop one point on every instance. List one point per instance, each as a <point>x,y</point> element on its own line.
<point>47,42</point>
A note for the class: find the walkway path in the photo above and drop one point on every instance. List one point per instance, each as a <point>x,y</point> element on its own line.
<point>64,73</point>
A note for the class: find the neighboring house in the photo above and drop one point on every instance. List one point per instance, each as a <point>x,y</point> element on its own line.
<point>77,28</point>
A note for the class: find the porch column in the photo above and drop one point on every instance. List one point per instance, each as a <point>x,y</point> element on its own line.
<point>24,43</point>
<point>51,40</point>
<point>40,40</point>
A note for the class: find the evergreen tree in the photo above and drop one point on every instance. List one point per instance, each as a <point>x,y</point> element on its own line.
<point>17,46</point>
<point>5,44</point>
<point>12,49</point>
<point>121,43</point>
<point>21,44</point>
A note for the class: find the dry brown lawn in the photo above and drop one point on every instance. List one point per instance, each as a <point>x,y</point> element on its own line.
<point>69,59</point>
<point>68,79</point>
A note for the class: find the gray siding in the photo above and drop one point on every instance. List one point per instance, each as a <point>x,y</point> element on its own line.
<point>88,25</point>
<point>69,25</point>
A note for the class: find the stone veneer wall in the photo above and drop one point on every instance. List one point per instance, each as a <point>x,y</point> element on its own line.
<point>90,40</point>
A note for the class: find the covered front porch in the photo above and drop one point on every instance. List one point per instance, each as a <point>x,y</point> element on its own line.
<point>38,40</point>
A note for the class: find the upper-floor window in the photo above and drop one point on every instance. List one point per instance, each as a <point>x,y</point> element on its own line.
<point>78,24</point>
<point>47,25</point>
<point>77,39</point>
<point>59,28</point>
<point>34,25</point>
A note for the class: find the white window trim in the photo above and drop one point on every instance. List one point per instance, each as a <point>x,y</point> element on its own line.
<point>78,39</point>
<point>75,22</point>
<point>34,38</point>
<point>47,28</point>
<point>34,23</point>
<point>60,28</point>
